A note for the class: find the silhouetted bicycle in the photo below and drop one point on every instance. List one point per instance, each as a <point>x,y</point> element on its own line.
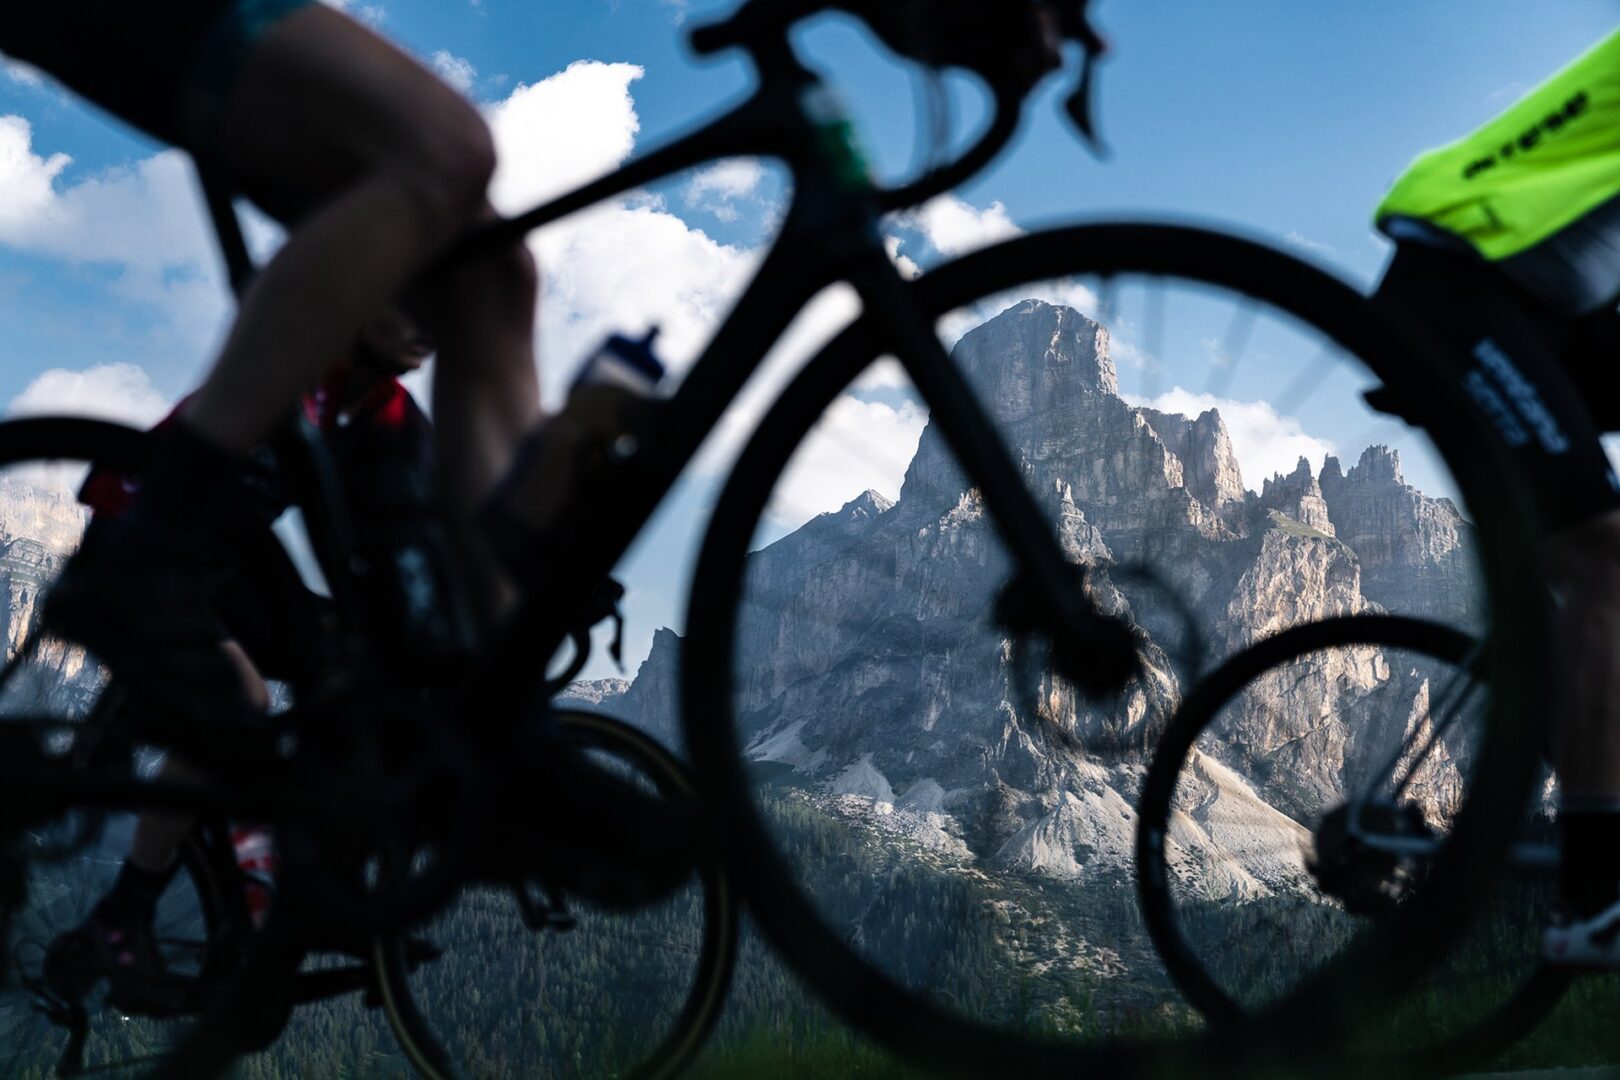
<point>381,801</point>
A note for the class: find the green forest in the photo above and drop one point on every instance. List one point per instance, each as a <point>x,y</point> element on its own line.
<point>594,1000</point>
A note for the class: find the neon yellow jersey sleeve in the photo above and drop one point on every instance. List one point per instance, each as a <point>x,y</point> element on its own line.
<point>1546,162</point>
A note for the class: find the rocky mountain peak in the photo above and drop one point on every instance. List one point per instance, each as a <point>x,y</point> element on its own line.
<point>1299,496</point>
<point>865,506</point>
<point>1414,549</point>
<point>1033,350</point>
<point>1204,448</point>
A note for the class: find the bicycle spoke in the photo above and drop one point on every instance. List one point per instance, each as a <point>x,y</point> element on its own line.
<point>1153,330</point>
<point>1310,377</point>
<point>1234,344</point>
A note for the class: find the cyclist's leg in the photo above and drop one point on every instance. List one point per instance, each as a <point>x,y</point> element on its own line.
<point>1508,352</point>
<point>1585,567</point>
<point>486,393</point>
<point>322,104</point>
<point>120,924</point>
<point>376,165</point>
<point>391,163</point>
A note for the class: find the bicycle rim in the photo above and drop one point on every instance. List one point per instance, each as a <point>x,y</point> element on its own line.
<point>686,1018</point>
<point>1231,949</point>
<point>52,700</point>
<point>945,1039</point>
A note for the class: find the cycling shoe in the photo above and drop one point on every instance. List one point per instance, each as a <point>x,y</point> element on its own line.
<point>126,955</point>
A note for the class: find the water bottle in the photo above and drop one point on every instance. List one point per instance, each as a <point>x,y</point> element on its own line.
<point>256,858</point>
<point>609,406</point>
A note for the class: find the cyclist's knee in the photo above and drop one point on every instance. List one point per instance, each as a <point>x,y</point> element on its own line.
<point>447,172</point>
<point>507,280</point>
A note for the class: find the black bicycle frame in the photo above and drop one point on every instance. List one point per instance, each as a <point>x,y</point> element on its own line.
<point>831,234</point>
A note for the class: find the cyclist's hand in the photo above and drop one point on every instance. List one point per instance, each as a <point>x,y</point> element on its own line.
<point>1011,44</point>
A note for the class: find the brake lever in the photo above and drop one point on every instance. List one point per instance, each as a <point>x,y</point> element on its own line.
<point>1078,106</point>
<point>1077,28</point>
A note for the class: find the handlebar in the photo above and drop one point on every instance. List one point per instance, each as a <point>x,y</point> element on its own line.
<point>1012,46</point>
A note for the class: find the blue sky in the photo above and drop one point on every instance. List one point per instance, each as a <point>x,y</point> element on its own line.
<point>1283,120</point>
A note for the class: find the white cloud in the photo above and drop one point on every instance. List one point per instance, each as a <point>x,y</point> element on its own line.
<point>730,179</point>
<point>144,215</point>
<point>624,268</point>
<point>954,226</point>
<point>121,392</point>
<point>617,267</point>
<point>558,133</point>
<point>455,70</point>
<point>1265,442</point>
<point>621,266</point>
<point>827,313</point>
<point>904,263</point>
<point>718,188</point>
<point>857,445</point>
<point>143,219</point>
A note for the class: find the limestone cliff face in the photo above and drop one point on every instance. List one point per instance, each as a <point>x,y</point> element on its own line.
<point>50,516</point>
<point>653,697</point>
<point>39,528</point>
<point>1045,376</point>
<point>1415,551</point>
<point>1299,496</point>
<point>869,666</point>
<point>1209,464</point>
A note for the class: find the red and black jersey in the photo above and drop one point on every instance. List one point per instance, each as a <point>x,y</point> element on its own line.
<point>381,443</point>
<point>386,426</point>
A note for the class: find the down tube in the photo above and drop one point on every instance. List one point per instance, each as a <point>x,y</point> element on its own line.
<point>969,433</point>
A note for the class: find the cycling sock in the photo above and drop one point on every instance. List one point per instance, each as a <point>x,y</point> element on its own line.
<point>134,896</point>
<point>1589,870</point>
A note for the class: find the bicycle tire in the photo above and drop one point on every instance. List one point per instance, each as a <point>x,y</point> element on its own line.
<point>201,872</point>
<point>1470,1046</point>
<point>934,1037</point>
<point>206,859</point>
<point>700,1009</point>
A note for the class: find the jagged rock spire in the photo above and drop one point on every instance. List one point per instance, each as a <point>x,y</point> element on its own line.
<point>1299,496</point>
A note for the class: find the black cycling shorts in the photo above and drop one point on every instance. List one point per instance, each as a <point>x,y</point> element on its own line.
<point>165,66</point>
<point>1546,381</point>
<point>263,605</point>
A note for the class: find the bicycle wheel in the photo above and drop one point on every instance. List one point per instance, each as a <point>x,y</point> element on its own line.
<point>933,830</point>
<point>554,999</point>
<point>54,1013</point>
<point>67,738</point>
<point>51,694</point>
<point>1243,897</point>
